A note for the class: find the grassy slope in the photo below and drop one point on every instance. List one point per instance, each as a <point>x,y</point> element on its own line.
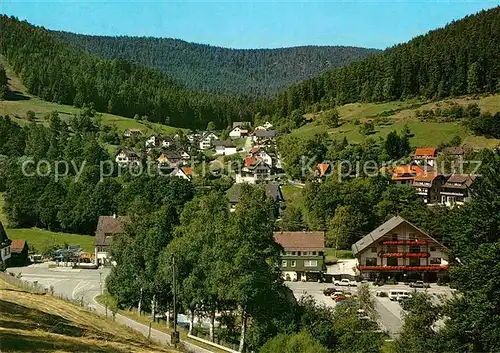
<point>41,238</point>
<point>42,323</point>
<point>427,133</point>
<point>18,108</point>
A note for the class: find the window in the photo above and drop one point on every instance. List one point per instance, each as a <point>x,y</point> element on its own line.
<point>414,261</point>
<point>293,263</point>
<point>371,261</point>
<point>314,253</point>
<point>433,248</point>
<point>294,253</point>
<point>284,263</point>
<point>320,253</point>
<point>394,237</point>
<point>310,263</point>
<point>392,249</point>
<point>435,261</point>
<point>298,253</point>
<point>412,236</point>
<point>374,249</point>
<point>392,261</point>
<point>415,248</point>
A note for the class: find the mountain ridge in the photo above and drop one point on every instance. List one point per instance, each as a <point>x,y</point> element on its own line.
<point>257,73</point>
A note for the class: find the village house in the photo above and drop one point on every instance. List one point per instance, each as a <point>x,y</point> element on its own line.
<point>185,156</point>
<point>322,170</point>
<point>183,173</point>
<point>19,253</point>
<point>170,159</point>
<point>456,190</point>
<point>457,152</point>
<point>193,137</point>
<point>266,126</point>
<point>303,255</point>
<point>261,135</point>
<point>132,133</point>
<point>425,156</point>
<point>159,141</point>
<point>108,228</point>
<point>259,153</point>
<point>225,148</point>
<point>206,140</point>
<point>238,132</point>
<point>254,170</point>
<point>428,186</point>
<point>5,245</point>
<point>273,191</point>
<point>405,174</point>
<point>400,250</point>
<point>125,157</point>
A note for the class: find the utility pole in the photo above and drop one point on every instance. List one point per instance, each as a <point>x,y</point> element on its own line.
<point>175,334</point>
<point>100,281</point>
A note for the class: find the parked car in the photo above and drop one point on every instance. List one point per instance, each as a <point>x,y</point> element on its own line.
<point>396,293</point>
<point>419,284</point>
<point>329,291</point>
<point>402,297</point>
<point>345,282</point>
<point>337,295</point>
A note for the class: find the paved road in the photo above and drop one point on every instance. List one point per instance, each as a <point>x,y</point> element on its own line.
<point>85,284</point>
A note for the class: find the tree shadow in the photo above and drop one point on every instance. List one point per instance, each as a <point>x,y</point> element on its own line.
<point>15,316</point>
<point>13,342</point>
<point>16,96</point>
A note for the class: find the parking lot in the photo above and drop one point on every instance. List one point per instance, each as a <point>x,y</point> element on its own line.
<point>390,312</point>
<point>76,284</point>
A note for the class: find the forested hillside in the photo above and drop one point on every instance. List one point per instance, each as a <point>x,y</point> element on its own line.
<point>461,58</point>
<point>58,72</point>
<point>3,82</point>
<point>254,72</point>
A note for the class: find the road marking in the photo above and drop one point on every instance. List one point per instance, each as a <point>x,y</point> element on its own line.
<point>78,288</point>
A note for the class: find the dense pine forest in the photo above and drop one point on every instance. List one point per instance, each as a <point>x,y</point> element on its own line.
<point>253,73</point>
<point>461,58</point>
<point>58,72</point>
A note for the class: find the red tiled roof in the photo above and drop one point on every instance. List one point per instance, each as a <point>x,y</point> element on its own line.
<point>323,168</point>
<point>249,161</point>
<point>187,170</point>
<point>311,241</point>
<point>427,151</point>
<point>426,177</point>
<point>254,149</point>
<point>17,244</point>
<point>412,170</point>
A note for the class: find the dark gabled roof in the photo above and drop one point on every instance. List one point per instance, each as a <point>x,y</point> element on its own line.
<point>171,154</point>
<point>273,191</point>
<point>457,151</point>
<point>128,153</point>
<point>109,226</point>
<point>307,241</point>
<point>225,143</point>
<point>382,230</point>
<point>4,239</point>
<point>241,124</point>
<point>265,133</point>
<point>464,180</point>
